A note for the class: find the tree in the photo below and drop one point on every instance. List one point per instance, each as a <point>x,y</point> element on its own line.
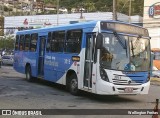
<point>89,6</point>
<point>136,8</point>
<point>1,25</point>
<point>104,5</point>
<point>7,43</point>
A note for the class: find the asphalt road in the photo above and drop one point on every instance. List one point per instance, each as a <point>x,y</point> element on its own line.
<point>17,93</point>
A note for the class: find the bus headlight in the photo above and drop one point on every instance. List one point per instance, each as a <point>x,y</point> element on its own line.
<point>103,75</point>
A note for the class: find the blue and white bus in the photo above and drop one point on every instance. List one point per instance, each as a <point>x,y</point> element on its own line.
<point>101,57</point>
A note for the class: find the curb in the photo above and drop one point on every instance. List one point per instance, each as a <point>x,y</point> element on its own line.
<point>155,79</point>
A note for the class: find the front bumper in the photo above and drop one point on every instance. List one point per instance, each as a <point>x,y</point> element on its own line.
<point>105,88</point>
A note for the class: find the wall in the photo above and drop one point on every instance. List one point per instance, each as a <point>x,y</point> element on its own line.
<point>37,21</point>
<point>151,21</point>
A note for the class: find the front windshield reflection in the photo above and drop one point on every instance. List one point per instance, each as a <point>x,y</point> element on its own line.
<point>140,55</point>
<point>117,54</point>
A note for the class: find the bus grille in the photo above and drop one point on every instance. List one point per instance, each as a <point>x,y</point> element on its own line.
<point>127,82</point>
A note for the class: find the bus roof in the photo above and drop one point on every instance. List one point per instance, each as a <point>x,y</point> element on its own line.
<point>76,25</point>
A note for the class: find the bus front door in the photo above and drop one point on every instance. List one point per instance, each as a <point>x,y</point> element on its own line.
<point>87,82</point>
<point>42,42</point>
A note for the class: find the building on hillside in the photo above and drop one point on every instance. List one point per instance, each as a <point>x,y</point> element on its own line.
<point>151,21</point>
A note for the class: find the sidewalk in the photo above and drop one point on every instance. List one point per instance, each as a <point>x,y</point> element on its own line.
<point>155,81</point>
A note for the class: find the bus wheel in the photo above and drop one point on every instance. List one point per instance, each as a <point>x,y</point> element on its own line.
<point>73,85</point>
<point>28,74</point>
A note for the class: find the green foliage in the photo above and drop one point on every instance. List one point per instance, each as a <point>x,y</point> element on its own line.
<point>101,5</point>
<point>6,9</point>
<point>136,7</point>
<point>7,43</point>
<point>50,1</point>
<point>1,25</point>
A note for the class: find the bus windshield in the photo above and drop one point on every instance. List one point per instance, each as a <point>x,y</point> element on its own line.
<point>120,52</point>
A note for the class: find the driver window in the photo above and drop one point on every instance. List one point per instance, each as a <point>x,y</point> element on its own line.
<point>106,55</point>
<point>113,55</point>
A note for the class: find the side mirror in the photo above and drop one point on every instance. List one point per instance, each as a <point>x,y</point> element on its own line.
<point>99,41</point>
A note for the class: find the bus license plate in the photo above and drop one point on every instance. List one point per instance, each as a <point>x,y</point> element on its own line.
<point>128,90</point>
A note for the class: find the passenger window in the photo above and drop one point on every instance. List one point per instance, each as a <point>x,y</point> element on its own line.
<point>57,41</point>
<point>48,41</point>
<point>73,42</point>
<point>21,43</point>
<point>34,38</point>
<point>27,42</point>
<point>16,43</point>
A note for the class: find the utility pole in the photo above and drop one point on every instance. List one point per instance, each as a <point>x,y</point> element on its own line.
<point>81,16</point>
<point>31,7</point>
<point>130,5</point>
<point>114,10</point>
<point>15,7</point>
<point>21,8</point>
<point>2,7</point>
<point>81,11</point>
<point>57,12</point>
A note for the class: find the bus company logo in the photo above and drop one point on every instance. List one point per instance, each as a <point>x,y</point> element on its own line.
<point>25,22</point>
<point>154,10</point>
<point>6,112</point>
<point>129,82</point>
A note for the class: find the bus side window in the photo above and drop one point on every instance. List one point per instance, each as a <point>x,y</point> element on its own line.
<point>33,46</point>
<point>17,42</point>
<point>27,42</point>
<point>73,42</point>
<point>49,41</point>
<point>57,41</point>
<point>21,43</point>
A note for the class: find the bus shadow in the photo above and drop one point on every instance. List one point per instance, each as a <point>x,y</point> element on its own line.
<point>86,95</point>
<point>108,98</point>
<point>50,84</point>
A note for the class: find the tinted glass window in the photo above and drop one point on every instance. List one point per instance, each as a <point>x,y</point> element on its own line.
<point>73,42</point>
<point>16,43</point>
<point>21,42</point>
<point>57,41</point>
<point>27,42</point>
<point>34,38</point>
<point>48,41</point>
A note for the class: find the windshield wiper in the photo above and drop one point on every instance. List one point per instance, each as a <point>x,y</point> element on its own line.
<point>132,48</point>
<point>121,43</point>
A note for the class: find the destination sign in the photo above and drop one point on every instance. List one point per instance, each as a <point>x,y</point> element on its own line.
<point>124,28</point>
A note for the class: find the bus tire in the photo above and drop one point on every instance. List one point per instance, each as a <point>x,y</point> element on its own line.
<point>28,74</point>
<point>73,85</point>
